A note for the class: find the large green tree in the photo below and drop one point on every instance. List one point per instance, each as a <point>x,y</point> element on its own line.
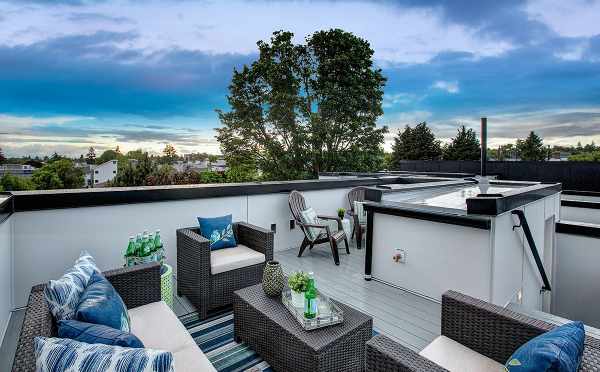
<point>300,109</point>
<point>107,155</point>
<point>531,148</point>
<point>465,146</point>
<point>58,174</point>
<point>416,143</point>
<point>8,182</point>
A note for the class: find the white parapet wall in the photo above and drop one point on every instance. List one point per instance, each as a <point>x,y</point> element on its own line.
<point>588,215</point>
<point>47,242</point>
<point>495,265</point>
<point>439,256</point>
<point>6,279</point>
<point>577,289</point>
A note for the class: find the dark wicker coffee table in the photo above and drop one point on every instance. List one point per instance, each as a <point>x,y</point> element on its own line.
<point>267,327</point>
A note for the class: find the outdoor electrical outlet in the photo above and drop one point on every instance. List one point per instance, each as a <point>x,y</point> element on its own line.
<point>399,256</point>
<point>292,224</point>
<point>274,227</point>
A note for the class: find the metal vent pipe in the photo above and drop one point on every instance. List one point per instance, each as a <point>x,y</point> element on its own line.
<point>483,147</point>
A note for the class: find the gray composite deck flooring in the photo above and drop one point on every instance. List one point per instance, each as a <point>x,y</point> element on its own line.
<point>409,319</point>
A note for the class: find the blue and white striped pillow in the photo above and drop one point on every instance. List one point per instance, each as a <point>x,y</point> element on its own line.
<point>63,295</point>
<point>62,354</point>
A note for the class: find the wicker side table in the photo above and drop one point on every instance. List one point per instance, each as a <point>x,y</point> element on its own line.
<point>269,329</point>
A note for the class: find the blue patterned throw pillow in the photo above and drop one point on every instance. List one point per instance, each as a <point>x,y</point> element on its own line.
<point>63,295</point>
<point>218,230</point>
<point>558,350</point>
<point>62,354</point>
<point>96,334</point>
<point>101,304</point>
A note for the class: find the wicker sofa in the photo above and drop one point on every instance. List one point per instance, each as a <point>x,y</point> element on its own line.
<point>209,288</point>
<point>151,320</point>
<point>489,330</point>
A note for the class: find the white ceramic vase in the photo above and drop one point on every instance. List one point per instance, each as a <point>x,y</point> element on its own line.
<point>297,299</point>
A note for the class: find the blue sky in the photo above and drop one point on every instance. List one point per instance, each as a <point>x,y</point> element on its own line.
<point>142,74</point>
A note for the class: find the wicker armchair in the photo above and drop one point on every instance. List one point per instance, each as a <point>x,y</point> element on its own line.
<point>488,329</point>
<point>137,286</point>
<point>194,278</point>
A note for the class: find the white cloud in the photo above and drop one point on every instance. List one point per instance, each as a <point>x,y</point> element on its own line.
<point>400,99</point>
<point>451,87</point>
<point>556,127</point>
<point>398,35</point>
<point>26,121</point>
<point>572,18</point>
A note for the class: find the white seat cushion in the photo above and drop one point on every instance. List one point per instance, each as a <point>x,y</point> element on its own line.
<point>158,328</point>
<point>455,357</point>
<point>226,259</point>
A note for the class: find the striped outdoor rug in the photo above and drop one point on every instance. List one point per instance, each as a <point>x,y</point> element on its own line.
<point>214,336</point>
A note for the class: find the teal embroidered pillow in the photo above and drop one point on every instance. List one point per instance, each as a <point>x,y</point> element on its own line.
<point>218,230</point>
<point>559,350</point>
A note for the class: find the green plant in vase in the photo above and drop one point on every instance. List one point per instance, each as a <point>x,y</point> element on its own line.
<point>341,213</point>
<point>298,283</point>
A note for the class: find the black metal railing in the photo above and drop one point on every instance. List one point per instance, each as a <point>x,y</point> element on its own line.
<point>536,256</point>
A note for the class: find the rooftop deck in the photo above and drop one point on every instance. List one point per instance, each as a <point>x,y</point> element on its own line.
<point>409,319</point>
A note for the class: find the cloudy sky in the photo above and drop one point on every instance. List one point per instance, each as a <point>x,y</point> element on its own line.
<point>75,73</point>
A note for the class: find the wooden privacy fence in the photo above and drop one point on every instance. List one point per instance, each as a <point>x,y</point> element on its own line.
<point>573,175</point>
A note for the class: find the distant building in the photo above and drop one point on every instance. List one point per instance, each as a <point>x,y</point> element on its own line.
<point>99,175</point>
<point>196,165</point>
<point>200,165</point>
<point>560,156</point>
<point>218,166</point>
<point>22,170</point>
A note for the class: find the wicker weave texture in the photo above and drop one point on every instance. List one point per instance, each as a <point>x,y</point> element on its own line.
<point>194,278</point>
<point>488,329</point>
<point>137,286</point>
<point>269,329</point>
<point>385,355</point>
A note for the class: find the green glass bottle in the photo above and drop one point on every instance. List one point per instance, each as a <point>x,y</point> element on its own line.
<point>157,240</point>
<point>158,252</point>
<point>145,245</point>
<point>310,298</point>
<point>130,252</point>
<point>139,252</point>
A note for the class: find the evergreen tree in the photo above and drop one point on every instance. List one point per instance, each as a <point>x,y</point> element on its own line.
<point>170,154</point>
<point>91,156</point>
<point>531,148</point>
<point>416,143</point>
<point>465,146</point>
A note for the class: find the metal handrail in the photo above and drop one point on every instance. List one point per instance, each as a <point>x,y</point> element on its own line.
<point>536,256</point>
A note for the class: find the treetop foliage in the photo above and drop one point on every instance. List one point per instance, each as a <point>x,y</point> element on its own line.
<point>300,109</point>
<point>465,146</point>
<point>416,143</point>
